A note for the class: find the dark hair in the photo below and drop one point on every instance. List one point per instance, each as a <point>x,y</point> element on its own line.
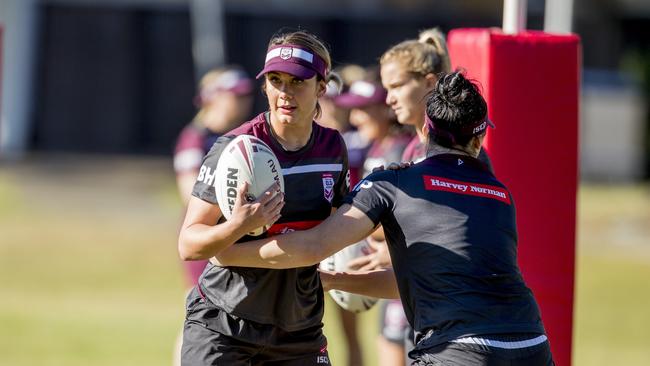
<point>454,103</point>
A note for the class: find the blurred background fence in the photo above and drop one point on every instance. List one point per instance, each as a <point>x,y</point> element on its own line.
<point>116,76</point>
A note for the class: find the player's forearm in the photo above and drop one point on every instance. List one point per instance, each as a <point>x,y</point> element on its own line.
<point>301,248</point>
<point>297,249</point>
<point>199,241</point>
<point>379,283</point>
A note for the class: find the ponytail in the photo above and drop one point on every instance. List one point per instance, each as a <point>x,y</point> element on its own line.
<point>435,38</point>
<point>426,55</point>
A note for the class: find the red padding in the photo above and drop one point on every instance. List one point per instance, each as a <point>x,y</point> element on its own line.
<point>531,84</point>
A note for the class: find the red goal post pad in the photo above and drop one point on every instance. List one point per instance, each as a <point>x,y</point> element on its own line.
<point>531,84</point>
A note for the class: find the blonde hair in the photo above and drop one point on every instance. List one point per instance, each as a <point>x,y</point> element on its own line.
<point>426,55</point>
<point>310,41</point>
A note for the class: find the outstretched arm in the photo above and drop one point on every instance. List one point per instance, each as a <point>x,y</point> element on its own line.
<point>378,283</point>
<point>346,226</point>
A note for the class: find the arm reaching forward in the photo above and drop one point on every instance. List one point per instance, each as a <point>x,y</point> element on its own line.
<point>378,283</point>
<point>346,226</point>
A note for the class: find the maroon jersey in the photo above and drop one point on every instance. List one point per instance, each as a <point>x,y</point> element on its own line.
<point>415,151</point>
<point>315,181</point>
<point>388,150</point>
<point>192,144</point>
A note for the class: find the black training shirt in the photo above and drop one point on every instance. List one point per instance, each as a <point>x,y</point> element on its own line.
<point>452,236</point>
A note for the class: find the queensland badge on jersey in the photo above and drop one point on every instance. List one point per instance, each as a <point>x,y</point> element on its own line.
<point>328,186</point>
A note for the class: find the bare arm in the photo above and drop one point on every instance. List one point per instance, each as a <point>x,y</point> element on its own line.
<point>201,238</point>
<point>346,226</point>
<point>378,283</point>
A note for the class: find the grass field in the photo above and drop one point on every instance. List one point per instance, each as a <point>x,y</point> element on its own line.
<point>89,272</point>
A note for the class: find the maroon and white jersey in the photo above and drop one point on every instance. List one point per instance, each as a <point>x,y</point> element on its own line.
<point>315,181</point>
<point>415,151</point>
<point>192,144</point>
<point>388,150</point>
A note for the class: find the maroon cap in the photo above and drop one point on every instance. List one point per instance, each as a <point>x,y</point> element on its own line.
<point>332,90</point>
<point>298,61</point>
<point>232,81</point>
<point>473,129</point>
<point>362,94</point>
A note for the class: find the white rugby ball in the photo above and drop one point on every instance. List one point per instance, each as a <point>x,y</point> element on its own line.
<point>245,159</point>
<point>339,263</point>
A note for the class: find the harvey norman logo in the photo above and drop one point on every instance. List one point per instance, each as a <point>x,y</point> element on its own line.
<point>433,183</point>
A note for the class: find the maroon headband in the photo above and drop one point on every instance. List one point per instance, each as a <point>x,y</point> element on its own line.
<point>473,129</point>
<point>362,94</point>
<point>296,60</point>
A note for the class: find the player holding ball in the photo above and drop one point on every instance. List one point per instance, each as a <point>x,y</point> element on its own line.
<point>249,316</point>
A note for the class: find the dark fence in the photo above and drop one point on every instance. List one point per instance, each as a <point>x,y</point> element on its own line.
<point>121,80</point>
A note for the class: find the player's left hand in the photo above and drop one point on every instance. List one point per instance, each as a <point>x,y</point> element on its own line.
<point>378,259</point>
<point>394,166</point>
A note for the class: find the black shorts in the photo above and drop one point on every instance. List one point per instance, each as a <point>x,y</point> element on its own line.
<point>212,337</point>
<point>472,354</point>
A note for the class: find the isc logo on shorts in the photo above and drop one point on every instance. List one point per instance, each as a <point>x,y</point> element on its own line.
<point>323,360</point>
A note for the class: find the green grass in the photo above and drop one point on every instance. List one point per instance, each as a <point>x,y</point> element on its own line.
<point>89,273</point>
<point>612,309</point>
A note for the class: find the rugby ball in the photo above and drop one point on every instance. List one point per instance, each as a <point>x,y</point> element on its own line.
<point>339,263</point>
<point>245,159</point>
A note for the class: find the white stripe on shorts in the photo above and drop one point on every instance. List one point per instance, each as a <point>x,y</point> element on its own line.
<point>502,344</point>
<point>313,168</point>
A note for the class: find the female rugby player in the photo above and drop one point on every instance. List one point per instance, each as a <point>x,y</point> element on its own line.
<point>249,316</point>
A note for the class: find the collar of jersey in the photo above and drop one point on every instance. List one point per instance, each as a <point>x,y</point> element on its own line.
<point>278,146</point>
<point>452,159</point>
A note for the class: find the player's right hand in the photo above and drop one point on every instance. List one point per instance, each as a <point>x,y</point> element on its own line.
<point>250,214</point>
